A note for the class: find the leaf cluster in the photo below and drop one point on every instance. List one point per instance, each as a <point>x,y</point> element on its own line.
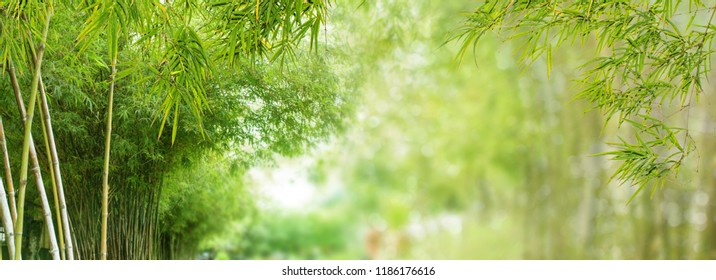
<point>182,43</point>
<point>648,55</point>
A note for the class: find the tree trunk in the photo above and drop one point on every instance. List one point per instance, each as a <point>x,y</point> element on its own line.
<point>8,173</point>
<point>105,174</point>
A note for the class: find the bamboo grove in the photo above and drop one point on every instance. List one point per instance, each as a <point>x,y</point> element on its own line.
<point>125,126</point>
<point>97,84</point>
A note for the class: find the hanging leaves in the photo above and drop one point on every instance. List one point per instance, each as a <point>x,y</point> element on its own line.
<point>181,78</point>
<point>647,55</point>
<point>265,29</point>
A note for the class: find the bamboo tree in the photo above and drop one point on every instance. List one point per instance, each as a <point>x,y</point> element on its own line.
<point>105,173</point>
<point>55,174</point>
<point>57,177</point>
<point>115,16</point>
<point>8,173</point>
<point>32,152</point>
<point>27,143</point>
<point>44,122</point>
<point>189,62</point>
<point>8,215</point>
<point>7,222</point>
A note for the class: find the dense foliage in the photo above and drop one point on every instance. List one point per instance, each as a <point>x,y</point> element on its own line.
<point>175,67</point>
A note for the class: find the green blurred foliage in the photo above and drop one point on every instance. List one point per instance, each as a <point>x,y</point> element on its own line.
<point>496,159</point>
<point>648,66</point>
<point>283,235</point>
<point>198,202</point>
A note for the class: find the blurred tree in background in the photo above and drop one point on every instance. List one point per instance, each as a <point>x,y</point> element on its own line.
<point>497,161</point>
<point>650,62</point>
<point>283,235</point>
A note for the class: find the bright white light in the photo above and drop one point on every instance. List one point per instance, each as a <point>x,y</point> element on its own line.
<point>284,186</point>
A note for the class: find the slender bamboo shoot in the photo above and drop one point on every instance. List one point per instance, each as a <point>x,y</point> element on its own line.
<point>105,174</point>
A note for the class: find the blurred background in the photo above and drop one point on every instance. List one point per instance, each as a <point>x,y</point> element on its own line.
<point>473,158</point>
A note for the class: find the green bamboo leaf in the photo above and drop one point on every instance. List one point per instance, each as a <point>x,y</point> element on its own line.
<point>124,73</point>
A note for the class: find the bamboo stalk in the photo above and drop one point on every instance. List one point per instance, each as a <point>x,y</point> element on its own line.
<point>47,213</point>
<point>54,183</point>
<point>105,174</point>
<point>58,187</point>
<point>28,152</point>
<point>60,191</point>
<point>7,222</point>
<point>8,172</point>
<point>21,191</point>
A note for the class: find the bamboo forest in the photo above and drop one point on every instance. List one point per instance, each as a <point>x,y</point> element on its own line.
<point>357,129</point>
